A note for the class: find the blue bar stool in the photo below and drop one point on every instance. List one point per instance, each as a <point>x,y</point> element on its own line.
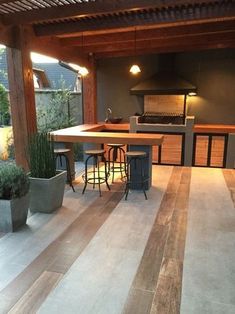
<point>135,160</point>
<point>95,175</point>
<point>116,151</point>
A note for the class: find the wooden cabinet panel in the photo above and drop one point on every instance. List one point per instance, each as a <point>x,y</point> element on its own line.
<point>217,151</point>
<point>201,150</point>
<point>171,150</point>
<point>209,150</point>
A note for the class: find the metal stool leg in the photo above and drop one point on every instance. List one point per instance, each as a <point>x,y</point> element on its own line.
<point>94,167</point>
<point>69,172</point>
<point>85,178</point>
<point>142,177</point>
<point>98,169</point>
<point>122,163</point>
<point>128,163</point>
<point>106,173</point>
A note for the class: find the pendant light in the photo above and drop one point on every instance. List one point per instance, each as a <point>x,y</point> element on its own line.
<point>83,71</point>
<point>135,69</point>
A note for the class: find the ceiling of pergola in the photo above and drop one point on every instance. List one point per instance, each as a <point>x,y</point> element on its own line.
<point>106,28</point>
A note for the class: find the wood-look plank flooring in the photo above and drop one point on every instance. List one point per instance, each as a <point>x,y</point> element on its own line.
<point>159,276</point>
<point>229,176</point>
<point>62,252</point>
<point>209,269</point>
<point>170,254</point>
<point>37,293</point>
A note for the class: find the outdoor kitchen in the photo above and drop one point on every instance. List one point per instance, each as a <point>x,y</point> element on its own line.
<point>174,96</point>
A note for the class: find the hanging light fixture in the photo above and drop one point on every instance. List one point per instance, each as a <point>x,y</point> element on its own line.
<point>83,71</point>
<point>135,69</point>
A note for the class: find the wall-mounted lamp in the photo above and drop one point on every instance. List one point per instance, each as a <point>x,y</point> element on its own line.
<point>83,71</point>
<point>135,69</point>
<point>75,67</point>
<point>192,94</point>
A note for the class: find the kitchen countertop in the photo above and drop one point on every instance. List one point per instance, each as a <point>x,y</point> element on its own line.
<point>198,128</point>
<point>92,133</point>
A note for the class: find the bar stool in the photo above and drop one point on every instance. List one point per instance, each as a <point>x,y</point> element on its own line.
<point>115,151</point>
<point>62,152</point>
<point>96,175</point>
<point>136,157</point>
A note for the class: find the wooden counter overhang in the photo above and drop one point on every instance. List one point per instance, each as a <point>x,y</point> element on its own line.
<point>93,134</point>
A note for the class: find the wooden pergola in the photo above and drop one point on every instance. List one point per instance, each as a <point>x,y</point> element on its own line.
<point>83,31</point>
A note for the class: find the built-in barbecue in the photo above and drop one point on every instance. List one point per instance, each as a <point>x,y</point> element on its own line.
<point>165,112</point>
<point>162,118</point>
<point>165,98</point>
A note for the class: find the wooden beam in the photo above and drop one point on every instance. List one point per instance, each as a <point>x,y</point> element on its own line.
<point>51,47</point>
<point>174,41</point>
<point>22,99</point>
<point>89,87</point>
<point>140,19</point>
<point>166,49</point>
<point>154,33</point>
<point>91,8</point>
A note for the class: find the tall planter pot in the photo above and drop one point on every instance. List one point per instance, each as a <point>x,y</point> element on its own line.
<point>46,195</point>
<point>13,213</point>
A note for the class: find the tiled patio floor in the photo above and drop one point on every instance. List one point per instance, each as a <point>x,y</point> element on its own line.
<point>172,253</point>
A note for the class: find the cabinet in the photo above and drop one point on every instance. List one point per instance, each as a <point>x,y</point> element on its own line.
<point>210,150</point>
<point>171,152</point>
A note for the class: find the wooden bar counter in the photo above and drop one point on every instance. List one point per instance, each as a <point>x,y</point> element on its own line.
<point>99,134</point>
<point>78,134</point>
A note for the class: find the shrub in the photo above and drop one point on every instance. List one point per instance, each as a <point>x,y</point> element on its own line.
<point>41,156</point>
<point>14,182</point>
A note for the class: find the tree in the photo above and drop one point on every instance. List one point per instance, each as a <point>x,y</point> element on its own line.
<point>4,106</point>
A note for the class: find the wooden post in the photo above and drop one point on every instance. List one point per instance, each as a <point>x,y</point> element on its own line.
<point>22,97</point>
<point>89,90</point>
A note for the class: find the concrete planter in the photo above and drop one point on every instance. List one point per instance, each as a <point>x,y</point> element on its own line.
<point>13,213</point>
<point>46,195</point>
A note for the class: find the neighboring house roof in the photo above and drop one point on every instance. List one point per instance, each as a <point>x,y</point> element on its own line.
<point>56,73</point>
<point>53,71</point>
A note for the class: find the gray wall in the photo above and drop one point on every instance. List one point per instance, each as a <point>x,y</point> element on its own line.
<point>114,82</point>
<point>213,72</point>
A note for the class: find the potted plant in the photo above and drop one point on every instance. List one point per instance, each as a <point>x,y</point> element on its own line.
<point>14,197</point>
<point>46,183</point>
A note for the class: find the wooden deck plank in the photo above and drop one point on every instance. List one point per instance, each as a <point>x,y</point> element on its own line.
<point>160,270</point>
<point>176,238</point>
<point>148,272</point>
<point>149,268</point>
<point>167,297</point>
<point>140,302</point>
<point>82,229</point>
<point>229,176</point>
<point>35,296</point>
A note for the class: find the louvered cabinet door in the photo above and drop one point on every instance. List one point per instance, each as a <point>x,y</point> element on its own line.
<point>210,150</point>
<point>171,150</point>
